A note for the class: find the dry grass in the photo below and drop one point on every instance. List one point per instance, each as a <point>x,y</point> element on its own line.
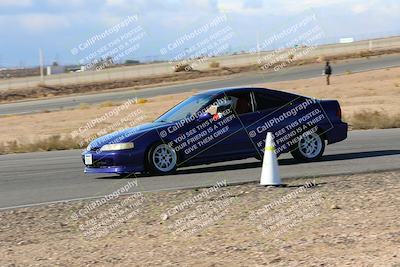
<point>373,93</point>
<point>34,132</point>
<point>55,142</point>
<point>367,119</point>
<point>364,119</point>
<point>183,68</point>
<point>368,100</point>
<point>84,106</point>
<point>186,70</point>
<point>141,101</point>
<point>214,65</point>
<point>107,104</point>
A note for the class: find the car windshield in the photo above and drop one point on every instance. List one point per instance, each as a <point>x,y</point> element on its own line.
<point>185,109</point>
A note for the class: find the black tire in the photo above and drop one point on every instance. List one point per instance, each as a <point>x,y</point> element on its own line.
<point>299,151</point>
<point>259,157</point>
<point>154,159</point>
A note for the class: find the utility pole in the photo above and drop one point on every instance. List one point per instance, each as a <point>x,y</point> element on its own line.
<point>41,62</point>
<point>258,46</point>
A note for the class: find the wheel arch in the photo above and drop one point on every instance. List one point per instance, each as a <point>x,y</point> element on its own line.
<point>154,143</point>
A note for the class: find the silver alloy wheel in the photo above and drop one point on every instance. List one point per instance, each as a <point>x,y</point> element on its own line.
<point>164,158</point>
<point>310,145</point>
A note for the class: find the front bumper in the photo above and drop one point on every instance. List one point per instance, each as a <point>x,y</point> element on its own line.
<point>119,162</point>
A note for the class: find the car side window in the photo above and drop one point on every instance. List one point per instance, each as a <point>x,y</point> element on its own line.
<point>265,101</point>
<point>241,102</point>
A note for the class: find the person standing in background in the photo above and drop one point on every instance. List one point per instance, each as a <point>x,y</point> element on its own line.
<point>328,72</point>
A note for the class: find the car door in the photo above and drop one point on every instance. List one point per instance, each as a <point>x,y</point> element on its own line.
<point>235,142</point>
<point>268,117</point>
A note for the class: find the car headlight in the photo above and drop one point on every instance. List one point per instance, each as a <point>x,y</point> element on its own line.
<point>119,146</point>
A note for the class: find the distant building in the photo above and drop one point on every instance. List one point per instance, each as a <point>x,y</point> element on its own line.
<point>55,69</point>
<point>346,40</point>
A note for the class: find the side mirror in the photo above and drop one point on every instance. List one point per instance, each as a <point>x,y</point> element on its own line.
<point>204,117</point>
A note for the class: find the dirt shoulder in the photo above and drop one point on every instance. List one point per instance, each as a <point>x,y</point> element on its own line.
<point>343,220</point>
<point>370,90</point>
<point>368,100</point>
<point>49,91</point>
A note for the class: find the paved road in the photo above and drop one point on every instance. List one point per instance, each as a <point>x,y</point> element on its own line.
<point>54,176</point>
<point>294,73</point>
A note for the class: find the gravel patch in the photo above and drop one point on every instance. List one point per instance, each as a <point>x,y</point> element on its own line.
<point>330,221</point>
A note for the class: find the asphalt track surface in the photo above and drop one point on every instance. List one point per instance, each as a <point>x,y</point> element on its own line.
<point>292,73</point>
<point>38,178</point>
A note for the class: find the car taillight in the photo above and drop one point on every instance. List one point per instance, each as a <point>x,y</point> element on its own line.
<point>339,112</point>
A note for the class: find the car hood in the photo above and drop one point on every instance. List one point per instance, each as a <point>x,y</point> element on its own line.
<point>125,134</point>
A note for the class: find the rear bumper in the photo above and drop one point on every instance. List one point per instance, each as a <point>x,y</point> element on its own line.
<point>336,132</point>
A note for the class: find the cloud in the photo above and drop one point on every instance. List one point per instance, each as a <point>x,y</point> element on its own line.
<point>377,8</point>
<point>70,22</point>
<point>280,7</point>
<point>116,2</point>
<point>154,6</point>
<point>42,22</point>
<point>14,3</point>
<point>69,2</point>
<point>359,8</point>
<point>253,4</point>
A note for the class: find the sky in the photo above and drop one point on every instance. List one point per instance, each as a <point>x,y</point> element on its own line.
<point>58,26</point>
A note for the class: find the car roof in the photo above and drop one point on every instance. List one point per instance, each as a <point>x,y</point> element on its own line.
<point>244,89</point>
<point>224,90</point>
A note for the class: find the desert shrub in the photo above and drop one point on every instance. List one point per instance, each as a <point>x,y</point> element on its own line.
<point>367,119</point>
<point>107,104</point>
<point>84,106</point>
<point>214,64</point>
<point>55,142</point>
<point>321,59</point>
<point>141,101</point>
<point>183,67</point>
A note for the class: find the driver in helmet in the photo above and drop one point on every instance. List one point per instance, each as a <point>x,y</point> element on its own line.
<point>218,109</point>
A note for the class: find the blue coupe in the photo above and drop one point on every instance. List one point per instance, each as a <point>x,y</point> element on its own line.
<point>220,125</point>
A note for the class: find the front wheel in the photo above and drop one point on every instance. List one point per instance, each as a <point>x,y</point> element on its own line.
<point>309,148</point>
<point>162,159</point>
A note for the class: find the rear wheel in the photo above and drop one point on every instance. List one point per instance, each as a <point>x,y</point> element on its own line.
<point>162,159</point>
<point>309,148</point>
